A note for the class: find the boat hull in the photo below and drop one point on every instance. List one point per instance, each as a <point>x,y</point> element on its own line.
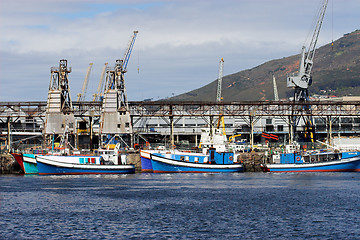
<point>52,167</point>
<point>19,159</point>
<point>30,165</point>
<point>146,165</point>
<point>166,165</point>
<point>345,165</point>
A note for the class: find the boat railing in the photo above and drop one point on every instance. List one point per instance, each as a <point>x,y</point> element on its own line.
<point>321,157</point>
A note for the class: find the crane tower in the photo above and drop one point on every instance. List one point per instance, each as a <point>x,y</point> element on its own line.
<point>59,112</point>
<point>219,98</point>
<point>302,79</point>
<point>115,116</point>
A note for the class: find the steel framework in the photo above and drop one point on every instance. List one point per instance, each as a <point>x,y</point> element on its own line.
<point>181,109</point>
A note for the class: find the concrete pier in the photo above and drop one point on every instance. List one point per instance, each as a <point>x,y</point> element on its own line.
<point>134,158</point>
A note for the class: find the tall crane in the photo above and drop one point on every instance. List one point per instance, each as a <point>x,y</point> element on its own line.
<point>59,82</point>
<point>81,96</point>
<point>115,118</point>
<point>99,93</point>
<point>219,86</point>
<point>115,78</point>
<point>219,97</point>
<point>276,93</point>
<point>59,117</point>
<point>302,79</point>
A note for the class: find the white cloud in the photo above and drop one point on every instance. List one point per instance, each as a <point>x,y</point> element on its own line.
<point>178,46</point>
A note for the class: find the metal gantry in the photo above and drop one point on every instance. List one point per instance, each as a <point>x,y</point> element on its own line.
<point>166,109</point>
<point>171,112</point>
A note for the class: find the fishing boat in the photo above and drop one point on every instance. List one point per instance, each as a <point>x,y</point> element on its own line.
<point>317,161</point>
<point>145,158</point>
<point>109,161</point>
<point>217,162</point>
<point>79,165</point>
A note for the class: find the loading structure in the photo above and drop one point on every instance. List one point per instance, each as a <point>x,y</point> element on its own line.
<point>301,80</point>
<point>115,118</point>
<point>59,116</point>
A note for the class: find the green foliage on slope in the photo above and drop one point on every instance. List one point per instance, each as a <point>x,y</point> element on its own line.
<point>336,70</point>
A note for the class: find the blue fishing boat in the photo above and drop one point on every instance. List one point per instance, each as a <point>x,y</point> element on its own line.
<point>48,164</point>
<point>217,162</point>
<point>145,158</point>
<point>315,162</point>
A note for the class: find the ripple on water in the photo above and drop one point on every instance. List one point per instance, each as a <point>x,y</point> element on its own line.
<point>181,206</point>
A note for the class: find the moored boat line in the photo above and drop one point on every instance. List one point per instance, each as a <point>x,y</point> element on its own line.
<point>161,160</point>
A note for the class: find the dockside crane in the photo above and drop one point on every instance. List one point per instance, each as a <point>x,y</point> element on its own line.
<point>115,118</point>
<point>59,116</point>
<point>276,93</point>
<point>81,96</point>
<point>219,86</point>
<point>115,78</point>
<point>99,93</point>
<point>219,97</point>
<point>302,80</point>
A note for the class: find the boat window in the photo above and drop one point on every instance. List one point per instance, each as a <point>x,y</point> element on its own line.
<point>182,158</point>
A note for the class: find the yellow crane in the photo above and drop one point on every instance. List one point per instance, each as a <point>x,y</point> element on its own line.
<point>219,97</point>
<point>99,92</point>
<point>81,96</point>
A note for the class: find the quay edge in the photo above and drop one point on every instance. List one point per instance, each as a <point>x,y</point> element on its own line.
<point>8,165</point>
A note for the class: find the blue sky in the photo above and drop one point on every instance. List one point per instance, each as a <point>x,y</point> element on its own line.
<point>178,47</point>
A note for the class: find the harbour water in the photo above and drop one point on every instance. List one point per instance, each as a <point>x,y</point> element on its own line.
<point>181,206</point>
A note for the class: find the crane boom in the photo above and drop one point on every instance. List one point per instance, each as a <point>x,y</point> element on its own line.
<point>81,96</point>
<point>219,86</point>
<point>219,98</point>
<point>128,51</point>
<point>276,94</point>
<point>312,47</point>
<point>98,93</point>
<point>301,80</point>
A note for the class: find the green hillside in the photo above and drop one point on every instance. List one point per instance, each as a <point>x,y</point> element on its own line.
<point>336,70</point>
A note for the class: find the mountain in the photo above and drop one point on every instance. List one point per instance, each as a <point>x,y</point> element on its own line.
<point>336,72</point>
